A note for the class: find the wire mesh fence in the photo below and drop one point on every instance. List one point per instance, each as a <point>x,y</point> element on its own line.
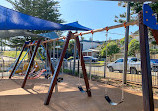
<point>93,68</point>
<point>100,70</point>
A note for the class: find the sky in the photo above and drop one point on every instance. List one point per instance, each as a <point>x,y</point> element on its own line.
<point>93,14</point>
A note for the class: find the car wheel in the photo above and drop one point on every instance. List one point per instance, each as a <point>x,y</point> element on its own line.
<point>111,69</point>
<point>120,71</point>
<point>133,70</point>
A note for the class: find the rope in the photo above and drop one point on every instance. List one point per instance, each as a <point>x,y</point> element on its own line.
<point>106,82</point>
<point>80,73</point>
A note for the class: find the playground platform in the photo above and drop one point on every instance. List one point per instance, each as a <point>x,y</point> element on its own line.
<point>66,96</point>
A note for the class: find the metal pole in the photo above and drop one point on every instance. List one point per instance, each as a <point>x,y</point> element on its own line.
<point>126,45</point>
<point>74,64</point>
<point>105,67</point>
<point>145,66</point>
<point>53,50</point>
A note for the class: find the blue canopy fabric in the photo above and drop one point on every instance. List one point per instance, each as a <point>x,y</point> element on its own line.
<point>51,35</point>
<point>13,20</point>
<point>149,18</point>
<point>76,24</point>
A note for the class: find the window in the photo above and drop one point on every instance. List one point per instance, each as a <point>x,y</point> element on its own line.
<point>134,59</point>
<point>120,60</point>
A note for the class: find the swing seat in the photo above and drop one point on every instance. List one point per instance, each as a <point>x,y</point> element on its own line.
<point>47,76</point>
<point>36,75</point>
<point>110,101</point>
<point>60,79</point>
<point>81,89</point>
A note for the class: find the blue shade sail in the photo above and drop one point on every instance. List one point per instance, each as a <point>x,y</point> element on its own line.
<point>76,24</point>
<point>51,35</point>
<point>13,20</point>
<point>149,18</point>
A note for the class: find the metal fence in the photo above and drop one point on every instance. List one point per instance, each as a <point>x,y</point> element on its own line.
<point>94,69</point>
<point>7,65</point>
<point>102,71</point>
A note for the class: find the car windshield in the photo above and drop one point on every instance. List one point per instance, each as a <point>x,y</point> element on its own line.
<point>134,59</point>
<point>154,60</point>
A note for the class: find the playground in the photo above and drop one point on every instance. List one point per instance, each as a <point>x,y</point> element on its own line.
<point>66,96</point>
<point>42,85</point>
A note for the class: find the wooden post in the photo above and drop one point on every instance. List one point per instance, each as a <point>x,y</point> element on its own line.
<point>83,67</point>
<point>145,66</point>
<point>49,59</point>
<point>30,64</point>
<point>17,60</point>
<point>155,34</point>
<point>57,70</point>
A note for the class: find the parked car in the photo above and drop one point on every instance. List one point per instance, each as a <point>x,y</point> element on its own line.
<point>154,65</point>
<point>133,65</point>
<point>89,58</point>
<point>55,61</point>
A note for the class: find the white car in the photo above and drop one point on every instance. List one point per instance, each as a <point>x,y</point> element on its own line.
<point>90,58</point>
<point>133,65</point>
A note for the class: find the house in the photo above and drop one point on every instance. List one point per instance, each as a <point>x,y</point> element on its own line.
<point>89,48</point>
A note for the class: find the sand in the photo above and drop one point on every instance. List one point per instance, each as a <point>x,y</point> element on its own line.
<point>66,96</point>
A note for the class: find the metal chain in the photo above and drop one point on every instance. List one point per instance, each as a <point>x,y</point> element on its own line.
<point>106,81</point>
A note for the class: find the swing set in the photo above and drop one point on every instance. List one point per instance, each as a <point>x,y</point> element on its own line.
<point>146,19</point>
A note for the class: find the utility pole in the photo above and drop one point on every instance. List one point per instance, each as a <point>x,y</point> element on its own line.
<point>126,44</point>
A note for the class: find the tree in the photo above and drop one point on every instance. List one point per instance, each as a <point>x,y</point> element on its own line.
<point>112,48</point>
<point>82,38</point>
<point>122,41</point>
<point>71,47</point>
<point>135,8</point>
<point>44,9</point>
<point>133,47</point>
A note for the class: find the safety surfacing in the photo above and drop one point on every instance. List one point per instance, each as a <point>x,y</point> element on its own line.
<point>66,96</point>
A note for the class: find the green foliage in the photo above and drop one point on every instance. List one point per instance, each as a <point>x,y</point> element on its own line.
<point>153,51</point>
<point>71,47</point>
<point>153,43</point>
<point>82,38</point>
<point>13,54</point>
<point>133,47</point>
<point>112,48</point>
<point>135,8</point>
<point>122,41</point>
<point>44,9</point>
<point>15,42</point>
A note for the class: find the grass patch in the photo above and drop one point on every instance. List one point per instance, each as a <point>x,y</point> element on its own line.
<point>13,54</point>
<point>99,63</point>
